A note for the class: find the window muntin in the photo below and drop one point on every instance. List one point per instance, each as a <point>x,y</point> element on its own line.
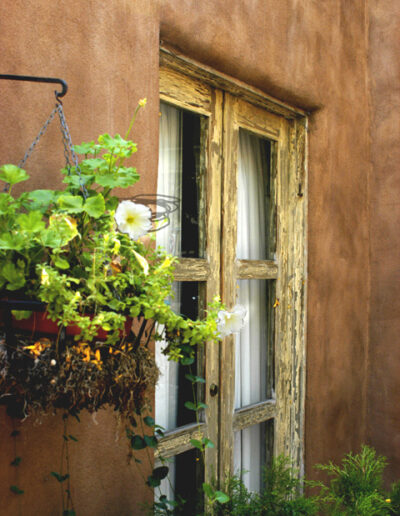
<point>282,266</point>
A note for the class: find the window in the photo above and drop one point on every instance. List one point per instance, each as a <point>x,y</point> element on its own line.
<point>235,158</point>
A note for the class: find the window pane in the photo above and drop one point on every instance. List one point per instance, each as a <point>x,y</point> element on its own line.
<point>256,212</point>
<point>254,363</point>
<point>173,389</point>
<point>253,448</point>
<point>186,473</point>
<point>180,178</point>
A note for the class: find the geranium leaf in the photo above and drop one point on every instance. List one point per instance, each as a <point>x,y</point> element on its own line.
<point>40,199</point>
<point>32,221</point>
<point>71,203</point>
<point>95,206</point>
<point>14,275</point>
<point>12,174</point>
<point>84,148</point>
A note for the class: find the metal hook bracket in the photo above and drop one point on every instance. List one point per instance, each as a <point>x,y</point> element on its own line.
<point>28,78</point>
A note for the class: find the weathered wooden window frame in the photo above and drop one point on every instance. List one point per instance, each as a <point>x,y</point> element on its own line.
<point>188,85</point>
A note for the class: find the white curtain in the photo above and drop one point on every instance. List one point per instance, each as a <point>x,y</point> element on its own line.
<point>251,343</point>
<point>170,184</point>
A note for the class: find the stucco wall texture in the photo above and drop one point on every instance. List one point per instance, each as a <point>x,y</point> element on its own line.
<point>384,356</point>
<point>315,55</point>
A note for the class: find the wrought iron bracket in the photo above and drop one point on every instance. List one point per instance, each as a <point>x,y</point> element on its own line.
<point>28,78</point>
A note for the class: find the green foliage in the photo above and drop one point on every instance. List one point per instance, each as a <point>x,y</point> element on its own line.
<point>62,247</point>
<point>394,497</point>
<point>279,497</point>
<point>16,490</point>
<point>356,486</point>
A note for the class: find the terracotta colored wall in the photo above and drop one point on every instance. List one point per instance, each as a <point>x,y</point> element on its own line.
<point>384,385</point>
<point>306,52</point>
<point>108,54</point>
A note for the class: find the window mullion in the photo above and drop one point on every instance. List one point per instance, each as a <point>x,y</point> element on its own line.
<point>228,282</point>
<point>213,246</point>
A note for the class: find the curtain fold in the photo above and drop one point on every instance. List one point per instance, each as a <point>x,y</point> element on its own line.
<point>251,343</point>
<point>169,183</point>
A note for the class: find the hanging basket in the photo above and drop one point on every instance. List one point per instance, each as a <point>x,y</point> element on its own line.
<point>36,378</point>
<point>45,366</point>
<point>39,324</point>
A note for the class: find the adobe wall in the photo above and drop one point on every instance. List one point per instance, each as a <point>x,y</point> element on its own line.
<point>108,54</point>
<point>384,385</point>
<point>305,52</point>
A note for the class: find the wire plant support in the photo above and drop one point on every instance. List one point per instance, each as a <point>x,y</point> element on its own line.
<point>28,78</point>
<point>161,205</point>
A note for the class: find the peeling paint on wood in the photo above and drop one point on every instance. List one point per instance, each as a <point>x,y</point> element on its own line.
<point>230,105</point>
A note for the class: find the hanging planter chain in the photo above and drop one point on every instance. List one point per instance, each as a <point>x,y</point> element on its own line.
<point>68,147</point>
<point>36,140</point>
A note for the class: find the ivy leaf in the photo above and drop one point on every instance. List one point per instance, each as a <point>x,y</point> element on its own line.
<point>154,480</point>
<point>95,206</point>
<point>208,490</point>
<point>208,443</point>
<point>196,443</point>
<point>16,490</point>
<point>190,405</point>
<point>12,174</point>
<point>138,442</point>
<point>194,379</point>
<point>58,477</point>
<point>187,360</point>
<point>71,203</point>
<point>151,441</point>
<point>221,497</point>
<point>149,421</point>
<point>16,461</point>
<point>160,473</point>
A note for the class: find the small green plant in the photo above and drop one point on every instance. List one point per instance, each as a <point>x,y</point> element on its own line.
<point>356,486</point>
<point>279,497</point>
<point>393,499</point>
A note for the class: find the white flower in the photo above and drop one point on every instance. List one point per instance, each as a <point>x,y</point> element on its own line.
<point>231,322</point>
<point>133,219</point>
<point>53,362</point>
